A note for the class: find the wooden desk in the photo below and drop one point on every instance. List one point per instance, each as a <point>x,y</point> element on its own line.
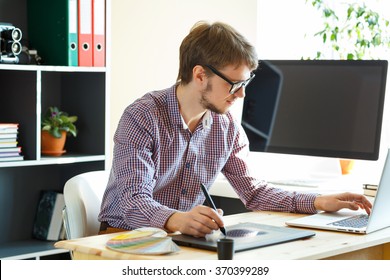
<point>324,245</point>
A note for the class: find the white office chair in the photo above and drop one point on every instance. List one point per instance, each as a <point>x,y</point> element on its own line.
<point>83,195</point>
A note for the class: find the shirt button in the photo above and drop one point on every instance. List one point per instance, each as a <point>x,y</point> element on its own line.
<point>188,165</point>
<point>183,191</point>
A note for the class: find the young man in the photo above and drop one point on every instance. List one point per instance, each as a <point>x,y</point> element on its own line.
<point>171,141</point>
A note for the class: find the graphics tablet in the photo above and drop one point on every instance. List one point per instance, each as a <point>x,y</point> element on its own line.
<point>246,236</point>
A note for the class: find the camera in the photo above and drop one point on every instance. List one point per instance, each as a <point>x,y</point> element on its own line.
<point>10,46</point>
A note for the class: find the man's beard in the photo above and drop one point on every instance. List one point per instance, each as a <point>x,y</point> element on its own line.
<point>205,102</point>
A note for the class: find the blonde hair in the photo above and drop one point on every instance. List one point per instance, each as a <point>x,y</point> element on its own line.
<point>216,44</point>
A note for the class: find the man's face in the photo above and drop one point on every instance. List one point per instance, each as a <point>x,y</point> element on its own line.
<point>216,96</point>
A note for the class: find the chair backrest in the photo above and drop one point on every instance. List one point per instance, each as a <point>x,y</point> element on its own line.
<point>83,195</point>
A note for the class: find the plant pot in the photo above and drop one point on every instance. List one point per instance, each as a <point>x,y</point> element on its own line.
<point>51,146</point>
<point>346,166</point>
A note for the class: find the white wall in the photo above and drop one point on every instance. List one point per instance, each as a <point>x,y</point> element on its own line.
<point>282,28</point>
<point>146,36</point>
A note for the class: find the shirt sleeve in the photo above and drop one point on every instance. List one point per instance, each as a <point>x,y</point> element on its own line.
<point>257,194</point>
<point>134,171</point>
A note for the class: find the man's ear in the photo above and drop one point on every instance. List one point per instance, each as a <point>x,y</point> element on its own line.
<point>199,75</point>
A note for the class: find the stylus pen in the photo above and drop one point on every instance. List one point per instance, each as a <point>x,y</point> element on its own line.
<point>210,202</point>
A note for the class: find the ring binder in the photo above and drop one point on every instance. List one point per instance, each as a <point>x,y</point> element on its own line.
<point>85,32</point>
<point>52,30</point>
<point>98,30</point>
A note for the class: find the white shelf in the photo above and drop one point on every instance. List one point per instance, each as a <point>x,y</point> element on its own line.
<point>65,159</point>
<point>28,249</point>
<point>50,68</point>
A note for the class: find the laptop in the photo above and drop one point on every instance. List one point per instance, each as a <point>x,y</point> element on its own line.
<point>246,236</point>
<point>355,221</point>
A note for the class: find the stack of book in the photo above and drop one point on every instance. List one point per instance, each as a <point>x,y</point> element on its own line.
<point>370,189</point>
<point>9,149</point>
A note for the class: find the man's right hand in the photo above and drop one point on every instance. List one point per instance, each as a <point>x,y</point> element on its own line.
<point>198,222</point>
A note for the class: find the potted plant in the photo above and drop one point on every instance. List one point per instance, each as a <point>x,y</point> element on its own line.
<point>55,126</point>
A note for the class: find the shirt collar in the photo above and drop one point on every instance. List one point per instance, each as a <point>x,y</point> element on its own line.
<point>207,120</point>
<point>185,126</point>
<point>173,106</point>
<point>174,111</point>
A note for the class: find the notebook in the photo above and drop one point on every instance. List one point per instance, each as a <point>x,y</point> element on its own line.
<point>355,221</point>
<point>246,236</point>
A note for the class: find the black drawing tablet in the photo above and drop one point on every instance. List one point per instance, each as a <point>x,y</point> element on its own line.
<point>247,236</point>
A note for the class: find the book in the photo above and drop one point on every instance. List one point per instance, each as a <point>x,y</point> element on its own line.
<point>370,186</point>
<point>8,125</point>
<point>7,130</point>
<point>8,154</point>
<point>10,150</point>
<point>8,135</point>
<point>370,189</point>
<point>48,219</point>
<point>12,158</point>
<point>369,192</point>
<point>7,143</point>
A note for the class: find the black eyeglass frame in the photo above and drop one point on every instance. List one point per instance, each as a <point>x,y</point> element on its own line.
<point>235,86</point>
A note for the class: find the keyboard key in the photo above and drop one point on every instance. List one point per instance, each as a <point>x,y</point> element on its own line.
<point>358,221</point>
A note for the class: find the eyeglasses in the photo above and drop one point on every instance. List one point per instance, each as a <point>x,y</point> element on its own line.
<point>235,86</point>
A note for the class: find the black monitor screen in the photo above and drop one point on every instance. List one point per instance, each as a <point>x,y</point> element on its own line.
<point>330,108</point>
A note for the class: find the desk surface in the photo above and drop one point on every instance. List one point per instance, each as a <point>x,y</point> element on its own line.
<point>325,244</point>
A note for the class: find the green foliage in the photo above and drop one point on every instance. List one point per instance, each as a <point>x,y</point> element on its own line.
<point>54,121</point>
<point>354,33</point>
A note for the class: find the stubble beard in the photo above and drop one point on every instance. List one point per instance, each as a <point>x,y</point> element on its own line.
<point>207,104</point>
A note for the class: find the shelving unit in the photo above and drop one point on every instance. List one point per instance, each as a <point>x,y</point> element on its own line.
<point>25,92</point>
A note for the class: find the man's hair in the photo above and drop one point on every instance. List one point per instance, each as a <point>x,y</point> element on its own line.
<point>216,44</point>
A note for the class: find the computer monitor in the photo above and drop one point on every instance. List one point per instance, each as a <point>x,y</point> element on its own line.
<point>329,108</point>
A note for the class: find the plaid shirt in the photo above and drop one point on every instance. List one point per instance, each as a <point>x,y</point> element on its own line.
<point>158,165</point>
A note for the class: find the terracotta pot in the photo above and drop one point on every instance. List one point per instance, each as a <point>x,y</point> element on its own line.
<point>52,146</point>
<point>346,166</point>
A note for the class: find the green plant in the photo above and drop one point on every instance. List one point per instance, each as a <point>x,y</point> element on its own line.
<point>353,32</point>
<point>54,121</point>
